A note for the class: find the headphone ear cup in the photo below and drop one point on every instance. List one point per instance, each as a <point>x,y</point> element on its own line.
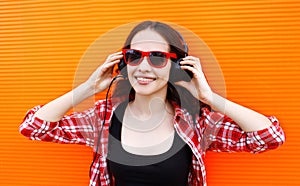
<point>177,74</point>
<point>122,68</point>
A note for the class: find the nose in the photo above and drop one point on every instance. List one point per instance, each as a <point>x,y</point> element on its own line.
<point>144,66</point>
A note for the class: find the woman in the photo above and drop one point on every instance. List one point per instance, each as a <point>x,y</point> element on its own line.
<point>157,125</point>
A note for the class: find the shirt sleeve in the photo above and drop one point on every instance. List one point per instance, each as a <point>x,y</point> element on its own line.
<point>76,128</point>
<point>222,134</point>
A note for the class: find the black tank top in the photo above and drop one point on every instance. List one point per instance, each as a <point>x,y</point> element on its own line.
<point>167,169</point>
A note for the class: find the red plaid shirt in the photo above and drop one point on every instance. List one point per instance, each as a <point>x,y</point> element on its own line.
<point>210,131</point>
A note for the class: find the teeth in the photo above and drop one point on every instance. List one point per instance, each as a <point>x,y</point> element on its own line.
<point>144,79</point>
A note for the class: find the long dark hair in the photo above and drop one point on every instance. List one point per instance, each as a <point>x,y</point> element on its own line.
<point>177,94</point>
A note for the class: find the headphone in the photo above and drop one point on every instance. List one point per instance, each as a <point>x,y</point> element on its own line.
<point>176,73</point>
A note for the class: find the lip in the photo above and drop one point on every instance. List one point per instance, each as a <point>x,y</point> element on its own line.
<point>144,80</point>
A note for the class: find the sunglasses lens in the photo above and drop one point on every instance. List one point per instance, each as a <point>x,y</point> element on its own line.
<point>158,59</point>
<point>133,57</point>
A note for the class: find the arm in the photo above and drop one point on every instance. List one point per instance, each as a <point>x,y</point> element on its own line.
<point>56,109</point>
<point>238,128</point>
<point>98,81</point>
<point>246,118</point>
<point>74,128</point>
<point>49,123</point>
<point>220,133</point>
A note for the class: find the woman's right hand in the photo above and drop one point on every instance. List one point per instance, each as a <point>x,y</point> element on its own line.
<point>97,82</point>
<point>101,78</point>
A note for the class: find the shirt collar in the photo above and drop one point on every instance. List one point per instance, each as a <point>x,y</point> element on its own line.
<point>179,112</point>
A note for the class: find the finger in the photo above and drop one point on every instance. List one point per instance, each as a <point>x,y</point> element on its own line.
<point>192,58</point>
<point>116,53</point>
<point>196,65</point>
<point>188,62</point>
<point>192,69</point>
<point>110,65</point>
<point>112,58</point>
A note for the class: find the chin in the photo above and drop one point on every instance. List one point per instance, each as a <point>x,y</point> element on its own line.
<point>149,86</point>
<point>151,90</point>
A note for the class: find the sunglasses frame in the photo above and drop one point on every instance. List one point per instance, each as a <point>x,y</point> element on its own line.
<point>147,54</point>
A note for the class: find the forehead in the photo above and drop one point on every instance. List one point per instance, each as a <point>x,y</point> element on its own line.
<point>149,40</point>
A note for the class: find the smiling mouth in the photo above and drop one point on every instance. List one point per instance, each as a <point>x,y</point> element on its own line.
<point>145,80</point>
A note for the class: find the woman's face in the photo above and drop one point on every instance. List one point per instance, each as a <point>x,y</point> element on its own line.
<point>144,78</point>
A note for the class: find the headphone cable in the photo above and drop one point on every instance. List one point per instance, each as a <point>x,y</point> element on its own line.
<point>103,122</point>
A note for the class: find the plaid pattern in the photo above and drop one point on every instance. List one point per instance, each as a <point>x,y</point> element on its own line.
<point>210,131</point>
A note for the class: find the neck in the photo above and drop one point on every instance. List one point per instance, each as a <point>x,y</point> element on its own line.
<point>150,105</point>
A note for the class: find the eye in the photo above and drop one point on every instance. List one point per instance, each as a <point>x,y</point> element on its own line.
<point>158,58</point>
<point>133,56</point>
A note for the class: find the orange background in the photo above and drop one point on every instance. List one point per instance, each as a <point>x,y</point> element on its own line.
<point>41,43</point>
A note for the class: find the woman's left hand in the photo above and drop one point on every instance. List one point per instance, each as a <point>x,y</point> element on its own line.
<point>198,86</point>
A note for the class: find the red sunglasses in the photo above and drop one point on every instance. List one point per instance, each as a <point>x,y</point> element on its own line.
<point>156,59</point>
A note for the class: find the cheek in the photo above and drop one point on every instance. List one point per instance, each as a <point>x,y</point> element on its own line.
<point>130,74</point>
<point>130,70</point>
<point>163,74</point>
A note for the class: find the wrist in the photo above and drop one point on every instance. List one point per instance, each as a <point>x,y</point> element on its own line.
<point>84,90</point>
<point>217,102</point>
<point>207,98</point>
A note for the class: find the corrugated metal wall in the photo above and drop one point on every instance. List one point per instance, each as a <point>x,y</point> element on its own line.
<point>42,43</point>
